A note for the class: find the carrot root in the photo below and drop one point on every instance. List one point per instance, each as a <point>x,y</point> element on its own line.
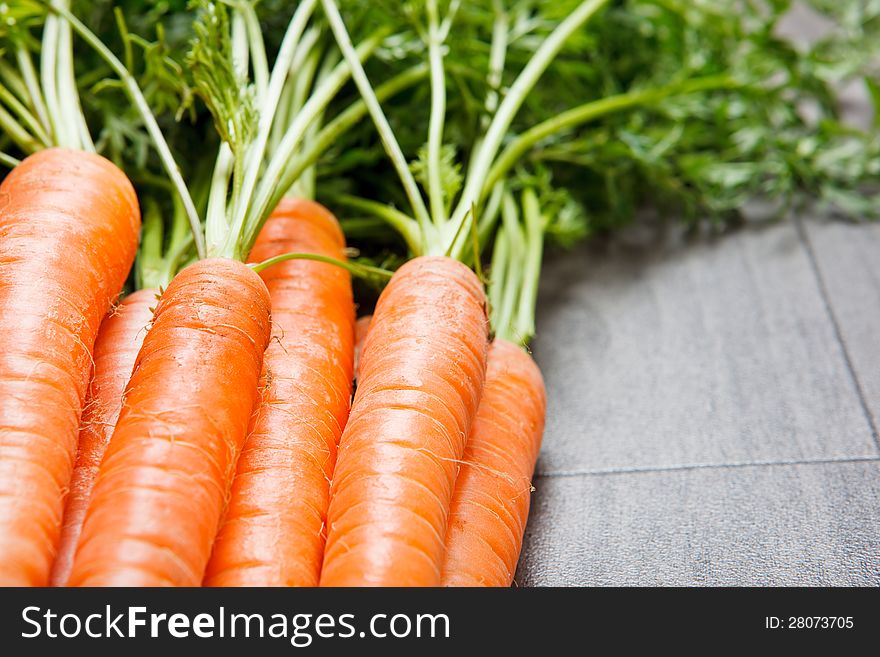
<point>421,375</point>
<point>116,348</point>
<point>361,328</point>
<point>165,477</point>
<point>490,506</point>
<point>273,532</point>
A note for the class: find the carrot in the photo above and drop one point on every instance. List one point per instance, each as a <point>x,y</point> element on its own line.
<point>273,532</point>
<point>361,327</point>
<point>161,487</point>
<point>69,223</point>
<point>116,347</point>
<point>491,502</point>
<point>421,376</point>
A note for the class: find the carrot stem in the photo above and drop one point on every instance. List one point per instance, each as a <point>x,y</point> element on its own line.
<point>497,274</point>
<point>31,83</point>
<point>345,120</point>
<point>491,212</point>
<point>160,255</point>
<point>150,252</point>
<point>497,57</point>
<point>314,107</point>
<point>293,97</point>
<point>398,220</point>
<point>72,117</point>
<point>502,321</point>
<point>8,161</point>
<point>29,121</point>
<point>240,63</point>
<point>11,78</point>
<point>13,129</point>
<point>594,110</point>
<point>355,269</point>
<point>256,151</point>
<point>125,36</point>
<point>476,181</point>
<point>215,215</point>
<point>257,48</point>
<point>386,134</point>
<point>524,322</point>
<point>437,116</point>
<point>48,64</point>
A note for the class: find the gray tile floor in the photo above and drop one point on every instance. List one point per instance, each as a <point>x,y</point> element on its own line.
<point>713,403</point>
<point>713,409</point>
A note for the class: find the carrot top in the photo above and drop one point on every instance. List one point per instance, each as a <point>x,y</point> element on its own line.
<point>443,223</point>
<point>270,120</point>
<point>163,250</point>
<point>39,103</point>
<point>656,101</point>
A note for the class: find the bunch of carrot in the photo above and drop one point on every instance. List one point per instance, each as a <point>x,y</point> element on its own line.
<point>217,445</point>
<point>228,422</point>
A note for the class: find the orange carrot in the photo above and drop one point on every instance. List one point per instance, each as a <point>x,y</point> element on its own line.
<point>116,348</point>
<point>273,532</point>
<point>421,376</point>
<point>161,487</point>
<point>361,327</point>
<point>491,502</point>
<point>69,224</point>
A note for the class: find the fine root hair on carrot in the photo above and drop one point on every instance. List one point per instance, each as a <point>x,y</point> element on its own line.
<point>500,474</point>
<point>189,402</point>
<point>492,494</point>
<point>419,384</point>
<point>274,527</point>
<point>78,215</point>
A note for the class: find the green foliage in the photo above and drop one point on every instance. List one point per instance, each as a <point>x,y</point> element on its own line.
<point>162,78</point>
<point>565,217</point>
<point>450,171</point>
<point>16,22</point>
<point>779,135</point>
<point>225,90</point>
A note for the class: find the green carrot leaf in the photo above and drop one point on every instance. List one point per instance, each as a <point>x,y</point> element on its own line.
<point>226,92</point>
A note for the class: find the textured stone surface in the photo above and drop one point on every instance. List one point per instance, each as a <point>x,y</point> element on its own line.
<point>661,350</point>
<point>847,260</point>
<point>713,403</point>
<point>808,524</point>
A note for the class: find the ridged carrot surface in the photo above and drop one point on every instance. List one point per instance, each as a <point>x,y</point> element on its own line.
<point>421,376</point>
<point>116,348</point>
<point>361,328</point>
<point>273,533</point>
<point>165,477</point>
<point>69,223</point>
<point>492,493</point>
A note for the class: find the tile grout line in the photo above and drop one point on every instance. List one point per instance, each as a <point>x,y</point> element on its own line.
<point>702,466</point>
<point>838,333</point>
